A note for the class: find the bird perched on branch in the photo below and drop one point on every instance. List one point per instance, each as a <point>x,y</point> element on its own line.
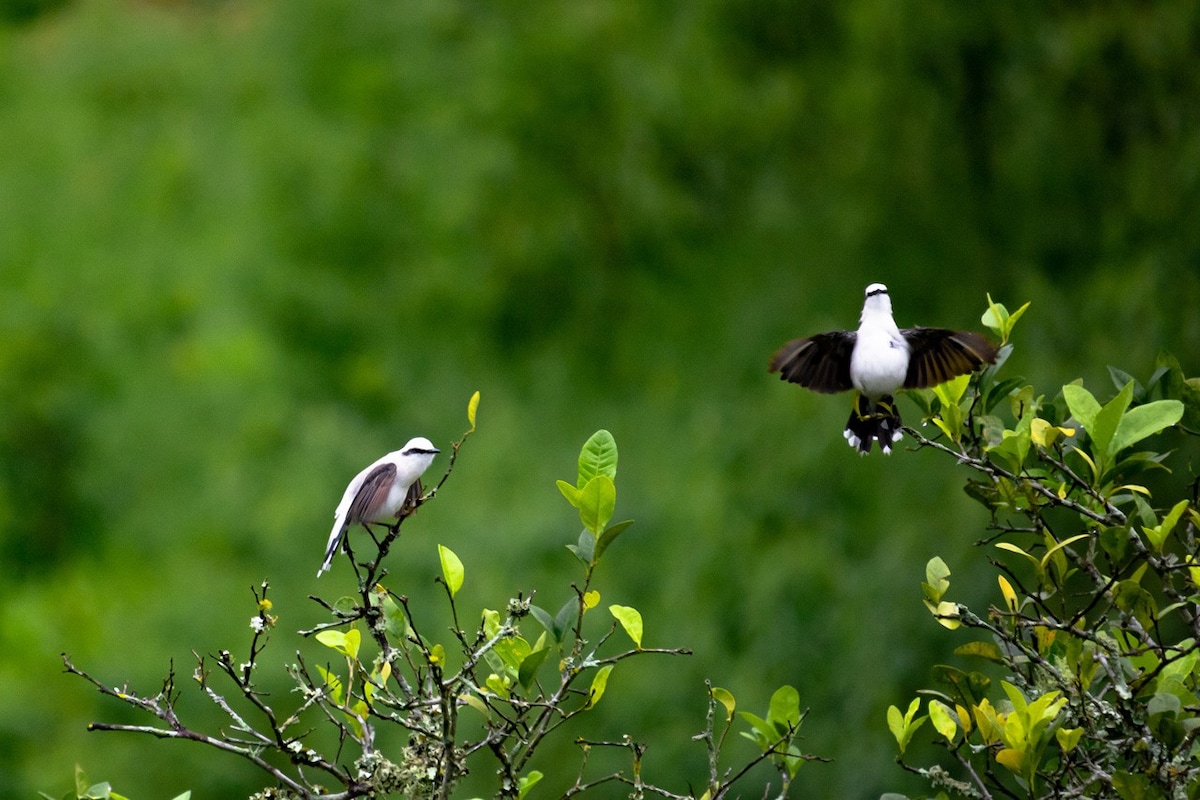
<point>380,491</point>
<point>877,360</point>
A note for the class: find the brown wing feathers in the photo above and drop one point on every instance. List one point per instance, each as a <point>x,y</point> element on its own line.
<point>939,354</point>
<point>372,493</point>
<point>820,363</point>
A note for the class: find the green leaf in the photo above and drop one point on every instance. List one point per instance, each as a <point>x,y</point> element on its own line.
<point>1012,548</point>
<point>529,666</point>
<point>566,616</point>
<point>1144,421</point>
<point>988,650</point>
<point>951,391</point>
<point>491,621</point>
<point>333,683</point>
<point>99,791</point>
<point>512,650</point>
<point>725,698</point>
<point>568,491</point>
<point>762,732</point>
<point>1056,548</point>
<point>1120,377</point>
<point>631,620</point>
<point>1068,738</point>
<point>784,710</point>
<point>598,457</point>
<point>527,782</point>
<point>1158,534</point>
<point>1133,786</point>
<point>1016,315</point>
<point>597,501</point>
<point>904,726</point>
<point>498,685</point>
<point>472,407</point>
<point>608,537</point>
<point>393,617</point>
<point>999,320</point>
<point>937,576</point>
<point>346,643</point>
<point>477,704</point>
<point>1133,599</point>
<point>967,688</point>
<point>1115,542</point>
<point>585,547</point>
<point>547,621</point>
<point>1105,426</point>
<point>996,317</point>
<point>452,569</point>
<point>599,684</point>
<point>1082,404</point>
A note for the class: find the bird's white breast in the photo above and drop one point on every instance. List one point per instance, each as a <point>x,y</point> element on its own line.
<point>879,361</point>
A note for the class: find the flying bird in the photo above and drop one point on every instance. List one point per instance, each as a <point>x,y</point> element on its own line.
<point>877,360</point>
<point>379,492</point>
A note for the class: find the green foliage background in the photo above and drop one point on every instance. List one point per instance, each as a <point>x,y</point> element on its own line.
<point>246,248</point>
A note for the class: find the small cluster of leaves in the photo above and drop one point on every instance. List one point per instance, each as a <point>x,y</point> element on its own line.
<point>1097,625</point>
<point>86,790</point>
<point>491,693</point>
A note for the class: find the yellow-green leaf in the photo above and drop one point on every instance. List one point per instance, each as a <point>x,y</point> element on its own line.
<point>472,407</point>
<point>943,721</point>
<point>599,684</point>
<point>987,650</point>
<point>1010,758</point>
<point>590,599</point>
<point>1159,533</point>
<point>345,643</point>
<point>725,698</point>
<point>631,620</point>
<point>452,569</point>
<point>1010,596</point>
<point>964,719</point>
<point>477,704</point>
<point>1061,545</point>
<point>1068,738</point>
<point>332,683</point>
<point>498,685</point>
<point>947,614</point>
<point>597,501</point>
<point>1012,548</point>
<point>903,726</point>
<point>1044,435</point>
<point>527,782</point>
<point>937,575</point>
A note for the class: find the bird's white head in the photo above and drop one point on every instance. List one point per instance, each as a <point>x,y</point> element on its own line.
<point>418,455</point>
<point>877,300</point>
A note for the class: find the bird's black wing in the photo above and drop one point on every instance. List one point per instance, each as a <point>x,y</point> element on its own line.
<point>820,363</point>
<point>372,493</point>
<point>937,355</point>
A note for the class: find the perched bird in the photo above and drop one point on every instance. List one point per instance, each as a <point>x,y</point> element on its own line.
<point>379,492</point>
<point>877,360</point>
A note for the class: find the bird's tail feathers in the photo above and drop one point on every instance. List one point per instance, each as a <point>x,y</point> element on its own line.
<point>336,537</point>
<point>873,421</point>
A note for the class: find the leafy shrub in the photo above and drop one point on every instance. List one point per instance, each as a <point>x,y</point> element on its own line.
<point>1096,627</point>
<point>491,693</point>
